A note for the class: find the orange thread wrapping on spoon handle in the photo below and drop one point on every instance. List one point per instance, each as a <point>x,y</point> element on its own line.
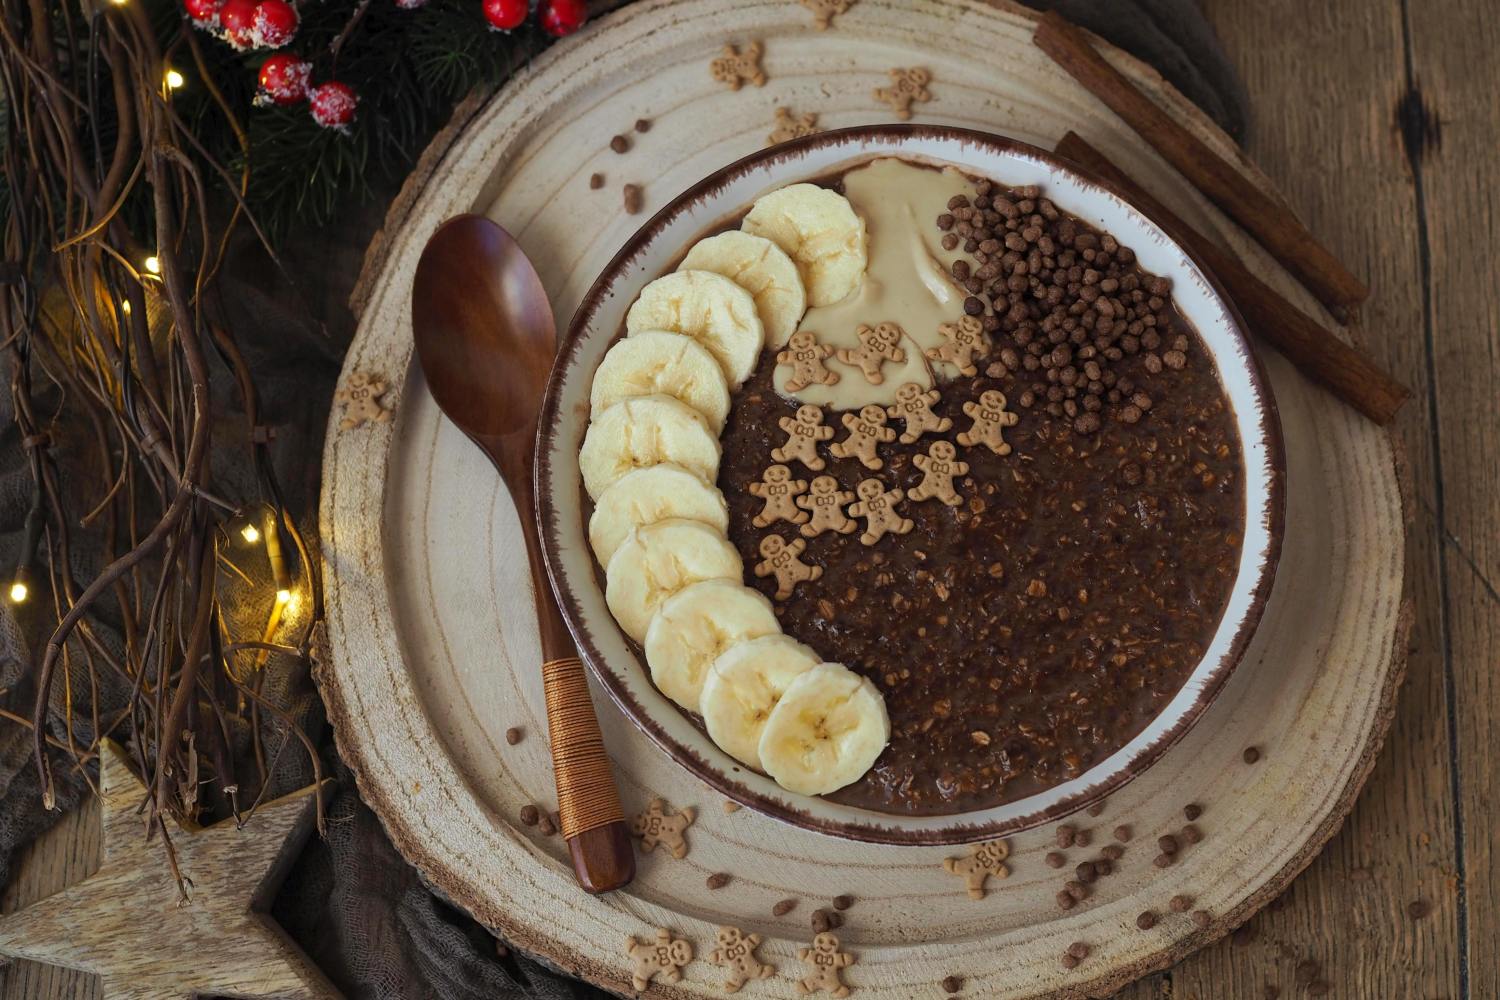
<point>586,795</point>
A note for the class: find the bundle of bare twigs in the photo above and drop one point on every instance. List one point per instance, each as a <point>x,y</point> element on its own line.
<point>120,331</point>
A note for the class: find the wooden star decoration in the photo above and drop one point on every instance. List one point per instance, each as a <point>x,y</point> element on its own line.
<point>127,922</point>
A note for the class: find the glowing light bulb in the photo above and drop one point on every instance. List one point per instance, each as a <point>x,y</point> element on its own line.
<point>283,597</point>
<point>252,535</point>
<point>174,79</point>
<point>153,265</point>
<point>19,592</point>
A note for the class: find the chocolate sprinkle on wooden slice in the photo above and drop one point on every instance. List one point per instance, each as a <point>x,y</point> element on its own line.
<point>952,984</point>
<point>1192,811</point>
<point>784,907</point>
<point>1078,950</point>
<point>633,198</point>
<point>1163,861</point>
<point>1202,918</point>
<point>1113,852</point>
<point>530,814</point>
<point>1054,859</point>
<point>643,124</point>
<point>1251,755</point>
<point>1167,844</point>
<point>842,902</point>
<point>1097,809</point>
<point>718,880</point>
<point>1068,961</point>
<point>619,144</point>
<point>731,806</point>
<point>596,181</point>
<point>1066,835</point>
<point>1146,920</point>
<point>1122,833</point>
<point>1192,834</point>
<point>1065,900</point>
<point>1181,904</point>
<point>513,735</point>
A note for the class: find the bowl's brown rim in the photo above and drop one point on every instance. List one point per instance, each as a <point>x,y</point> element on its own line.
<point>960,831</point>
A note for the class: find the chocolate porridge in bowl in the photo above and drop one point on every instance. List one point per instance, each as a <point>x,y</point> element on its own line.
<point>955,520</point>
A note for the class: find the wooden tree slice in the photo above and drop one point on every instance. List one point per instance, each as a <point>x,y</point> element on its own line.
<point>433,654</point>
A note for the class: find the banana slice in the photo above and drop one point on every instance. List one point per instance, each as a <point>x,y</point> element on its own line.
<point>657,363</point>
<point>647,430</point>
<point>645,496</point>
<point>761,268</point>
<point>744,685</point>
<point>709,308</point>
<point>694,626</point>
<point>825,732</point>
<point>657,561</point>
<point>818,229</point>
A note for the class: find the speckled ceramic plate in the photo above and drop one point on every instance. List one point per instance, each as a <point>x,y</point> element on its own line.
<point>726,192</point>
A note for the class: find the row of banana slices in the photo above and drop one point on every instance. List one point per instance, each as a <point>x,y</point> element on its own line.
<point>650,460</point>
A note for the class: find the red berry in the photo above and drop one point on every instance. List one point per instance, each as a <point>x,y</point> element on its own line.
<point>333,104</point>
<point>275,24</point>
<point>204,12</point>
<point>237,21</point>
<point>504,15</point>
<point>283,79</point>
<point>563,17</point>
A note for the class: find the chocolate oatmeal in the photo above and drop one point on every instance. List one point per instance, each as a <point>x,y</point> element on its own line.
<point>1027,633</point>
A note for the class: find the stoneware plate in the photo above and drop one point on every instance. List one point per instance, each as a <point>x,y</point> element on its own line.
<point>654,250</point>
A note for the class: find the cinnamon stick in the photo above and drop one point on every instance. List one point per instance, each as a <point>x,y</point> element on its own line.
<point>1317,353</point>
<point>1272,224</point>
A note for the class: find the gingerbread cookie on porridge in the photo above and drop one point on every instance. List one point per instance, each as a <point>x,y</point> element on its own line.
<point>867,431</point>
<point>914,406</point>
<point>807,357</point>
<point>939,467</point>
<point>780,492</point>
<point>878,345</point>
<point>804,431</point>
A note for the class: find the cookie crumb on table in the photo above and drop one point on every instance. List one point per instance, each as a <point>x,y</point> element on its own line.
<point>634,198</point>
<point>718,880</point>
<point>784,907</point>
<point>643,125</point>
<point>596,181</point>
<point>620,144</point>
<point>514,735</point>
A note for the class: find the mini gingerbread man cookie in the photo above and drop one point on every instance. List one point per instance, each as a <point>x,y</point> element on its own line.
<point>790,125</point>
<point>784,559</point>
<point>662,956</point>
<point>962,343</point>
<point>939,466</point>
<point>657,826</point>
<point>806,356</point>
<point>739,66</point>
<point>826,503</point>
<point>361,399</point>
<point>825,966</point>
<point>824,11</point>
<point>987,859</point>
<point>878,507</point>
<point>803,434</point>
<point>914,405</point>
<point>990,420</point>
<point>867,431</point>
<point>907,86</point>
<point>877,345</point>
<point>736,952</point>
<point>780,491</point>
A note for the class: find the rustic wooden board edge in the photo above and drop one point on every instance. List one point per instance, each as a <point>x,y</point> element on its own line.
<point>436,870</point>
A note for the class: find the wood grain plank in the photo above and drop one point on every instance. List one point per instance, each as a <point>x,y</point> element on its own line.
<point>1323,101</point>
<point>67,853</point>
<point>1451,119</point>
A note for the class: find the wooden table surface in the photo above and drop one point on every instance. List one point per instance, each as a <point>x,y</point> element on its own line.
<point>1378,120</point>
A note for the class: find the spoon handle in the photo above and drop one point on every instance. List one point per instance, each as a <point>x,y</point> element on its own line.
<point>588,804</point>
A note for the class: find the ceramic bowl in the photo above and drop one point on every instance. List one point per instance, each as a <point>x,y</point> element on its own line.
<point>655,248</point>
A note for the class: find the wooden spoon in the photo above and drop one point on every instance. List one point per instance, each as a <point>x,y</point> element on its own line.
<point>486,339</point>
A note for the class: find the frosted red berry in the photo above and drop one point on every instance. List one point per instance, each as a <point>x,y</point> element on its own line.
<point>203,12</point>
<point>275,24</point>
<point>237,22</point>
<point>333,104</point>
<point>283,79</point>
<point>504,15</point>
<point>563,17</point>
